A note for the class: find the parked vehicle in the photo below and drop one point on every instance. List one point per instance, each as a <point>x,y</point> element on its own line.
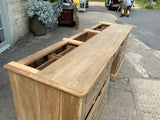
<point>111,4</point>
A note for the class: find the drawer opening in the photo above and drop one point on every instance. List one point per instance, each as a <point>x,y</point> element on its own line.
<point>85,36</point>
<point>95,101</point>
<point>101,27</point>
<point>52,57</point>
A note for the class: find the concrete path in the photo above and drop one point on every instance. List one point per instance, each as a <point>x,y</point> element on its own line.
<point>136,93</point>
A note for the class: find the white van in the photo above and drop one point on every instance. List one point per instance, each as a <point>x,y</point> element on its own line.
<point>111,4</point>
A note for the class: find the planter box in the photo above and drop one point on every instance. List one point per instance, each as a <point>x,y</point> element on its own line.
<point>68,80</point>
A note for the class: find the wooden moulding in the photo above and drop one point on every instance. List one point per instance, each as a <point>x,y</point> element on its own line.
<point>72,78</point>
<point>71,41</point>
<point>89,30</point>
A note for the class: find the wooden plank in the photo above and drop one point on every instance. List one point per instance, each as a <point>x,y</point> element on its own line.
<point>34,100</point>
<point>84,60</point>
<point>46,63</point>
<point>41,53</point>
<point>71,41</point>
<point>104,23</point>
<point>113,76</point>
<point>90,30</point>
<point>69,49</point>
<point>93,92</point>
<point>99,104</point>
<point>76,84</point>
<point>56,55</point>
<point>70,107</point>
<point>21,66</point>
<point>119,59</point>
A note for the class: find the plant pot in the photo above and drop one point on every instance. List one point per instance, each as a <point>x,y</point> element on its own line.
<point>37,27</point>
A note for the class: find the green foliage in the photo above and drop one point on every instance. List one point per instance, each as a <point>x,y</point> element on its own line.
<point>98,0</point>
<point>146,4</point>
<point>157,5</point>
<point>44,11</point>
<point>53,1</point>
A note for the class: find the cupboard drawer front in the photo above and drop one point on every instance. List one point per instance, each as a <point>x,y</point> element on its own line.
<point>95,90</point>
<point>99,104</point>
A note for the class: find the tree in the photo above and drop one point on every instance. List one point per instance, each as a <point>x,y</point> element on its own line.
<point>151,1</point>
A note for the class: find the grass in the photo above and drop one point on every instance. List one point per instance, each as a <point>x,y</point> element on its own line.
<point>145,4</point>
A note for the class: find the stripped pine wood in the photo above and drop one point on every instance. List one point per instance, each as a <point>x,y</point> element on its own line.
<point>71,41</point>
<point>39,54</point>
<point>69,80</point>
<point>104,23</point>
<point>33,99</point>
<point>82,64</point>
<point>118,61</point>
<point>90,30</point>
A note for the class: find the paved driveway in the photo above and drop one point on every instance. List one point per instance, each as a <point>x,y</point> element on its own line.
<point>146,23</point>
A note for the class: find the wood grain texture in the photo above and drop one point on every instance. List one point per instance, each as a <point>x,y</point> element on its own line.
<point>99,104</point>
<point>71,41</point>
<point>119,59</point>
<point>83,65</point>
<point>87,61</point>
<point>90,30</point>
<point>74,86</point>
<point>41,53</point>
<point>34,100</point>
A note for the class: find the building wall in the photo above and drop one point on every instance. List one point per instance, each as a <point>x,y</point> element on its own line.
<point>19,22</point>
<point>15,20</point>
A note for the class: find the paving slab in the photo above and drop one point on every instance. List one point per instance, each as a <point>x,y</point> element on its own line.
<point>147,98</point>
<point>120,104</point>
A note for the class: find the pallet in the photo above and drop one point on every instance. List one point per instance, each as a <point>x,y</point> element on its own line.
<point>69,80</point>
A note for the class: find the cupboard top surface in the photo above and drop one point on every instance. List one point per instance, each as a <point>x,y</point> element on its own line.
<point>77,71</point>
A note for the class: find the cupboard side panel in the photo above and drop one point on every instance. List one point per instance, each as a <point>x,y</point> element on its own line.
<point>34,100</point>
<point>70,107</point>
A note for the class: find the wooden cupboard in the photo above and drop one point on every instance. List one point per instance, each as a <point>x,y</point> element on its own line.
<point>69,80</point>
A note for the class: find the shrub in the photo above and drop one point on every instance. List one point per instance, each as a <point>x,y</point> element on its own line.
<point>44,11</point>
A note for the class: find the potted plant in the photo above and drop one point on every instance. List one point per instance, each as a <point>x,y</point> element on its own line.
<point>42,16</point>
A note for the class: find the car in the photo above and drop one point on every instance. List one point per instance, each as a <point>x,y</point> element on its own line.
<point>111,4</point>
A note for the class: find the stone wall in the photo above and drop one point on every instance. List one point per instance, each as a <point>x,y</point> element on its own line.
<point>19,22</point>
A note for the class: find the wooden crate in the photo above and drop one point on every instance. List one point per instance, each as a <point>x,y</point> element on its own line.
<point>68,80</point>
<point>66,16</point>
